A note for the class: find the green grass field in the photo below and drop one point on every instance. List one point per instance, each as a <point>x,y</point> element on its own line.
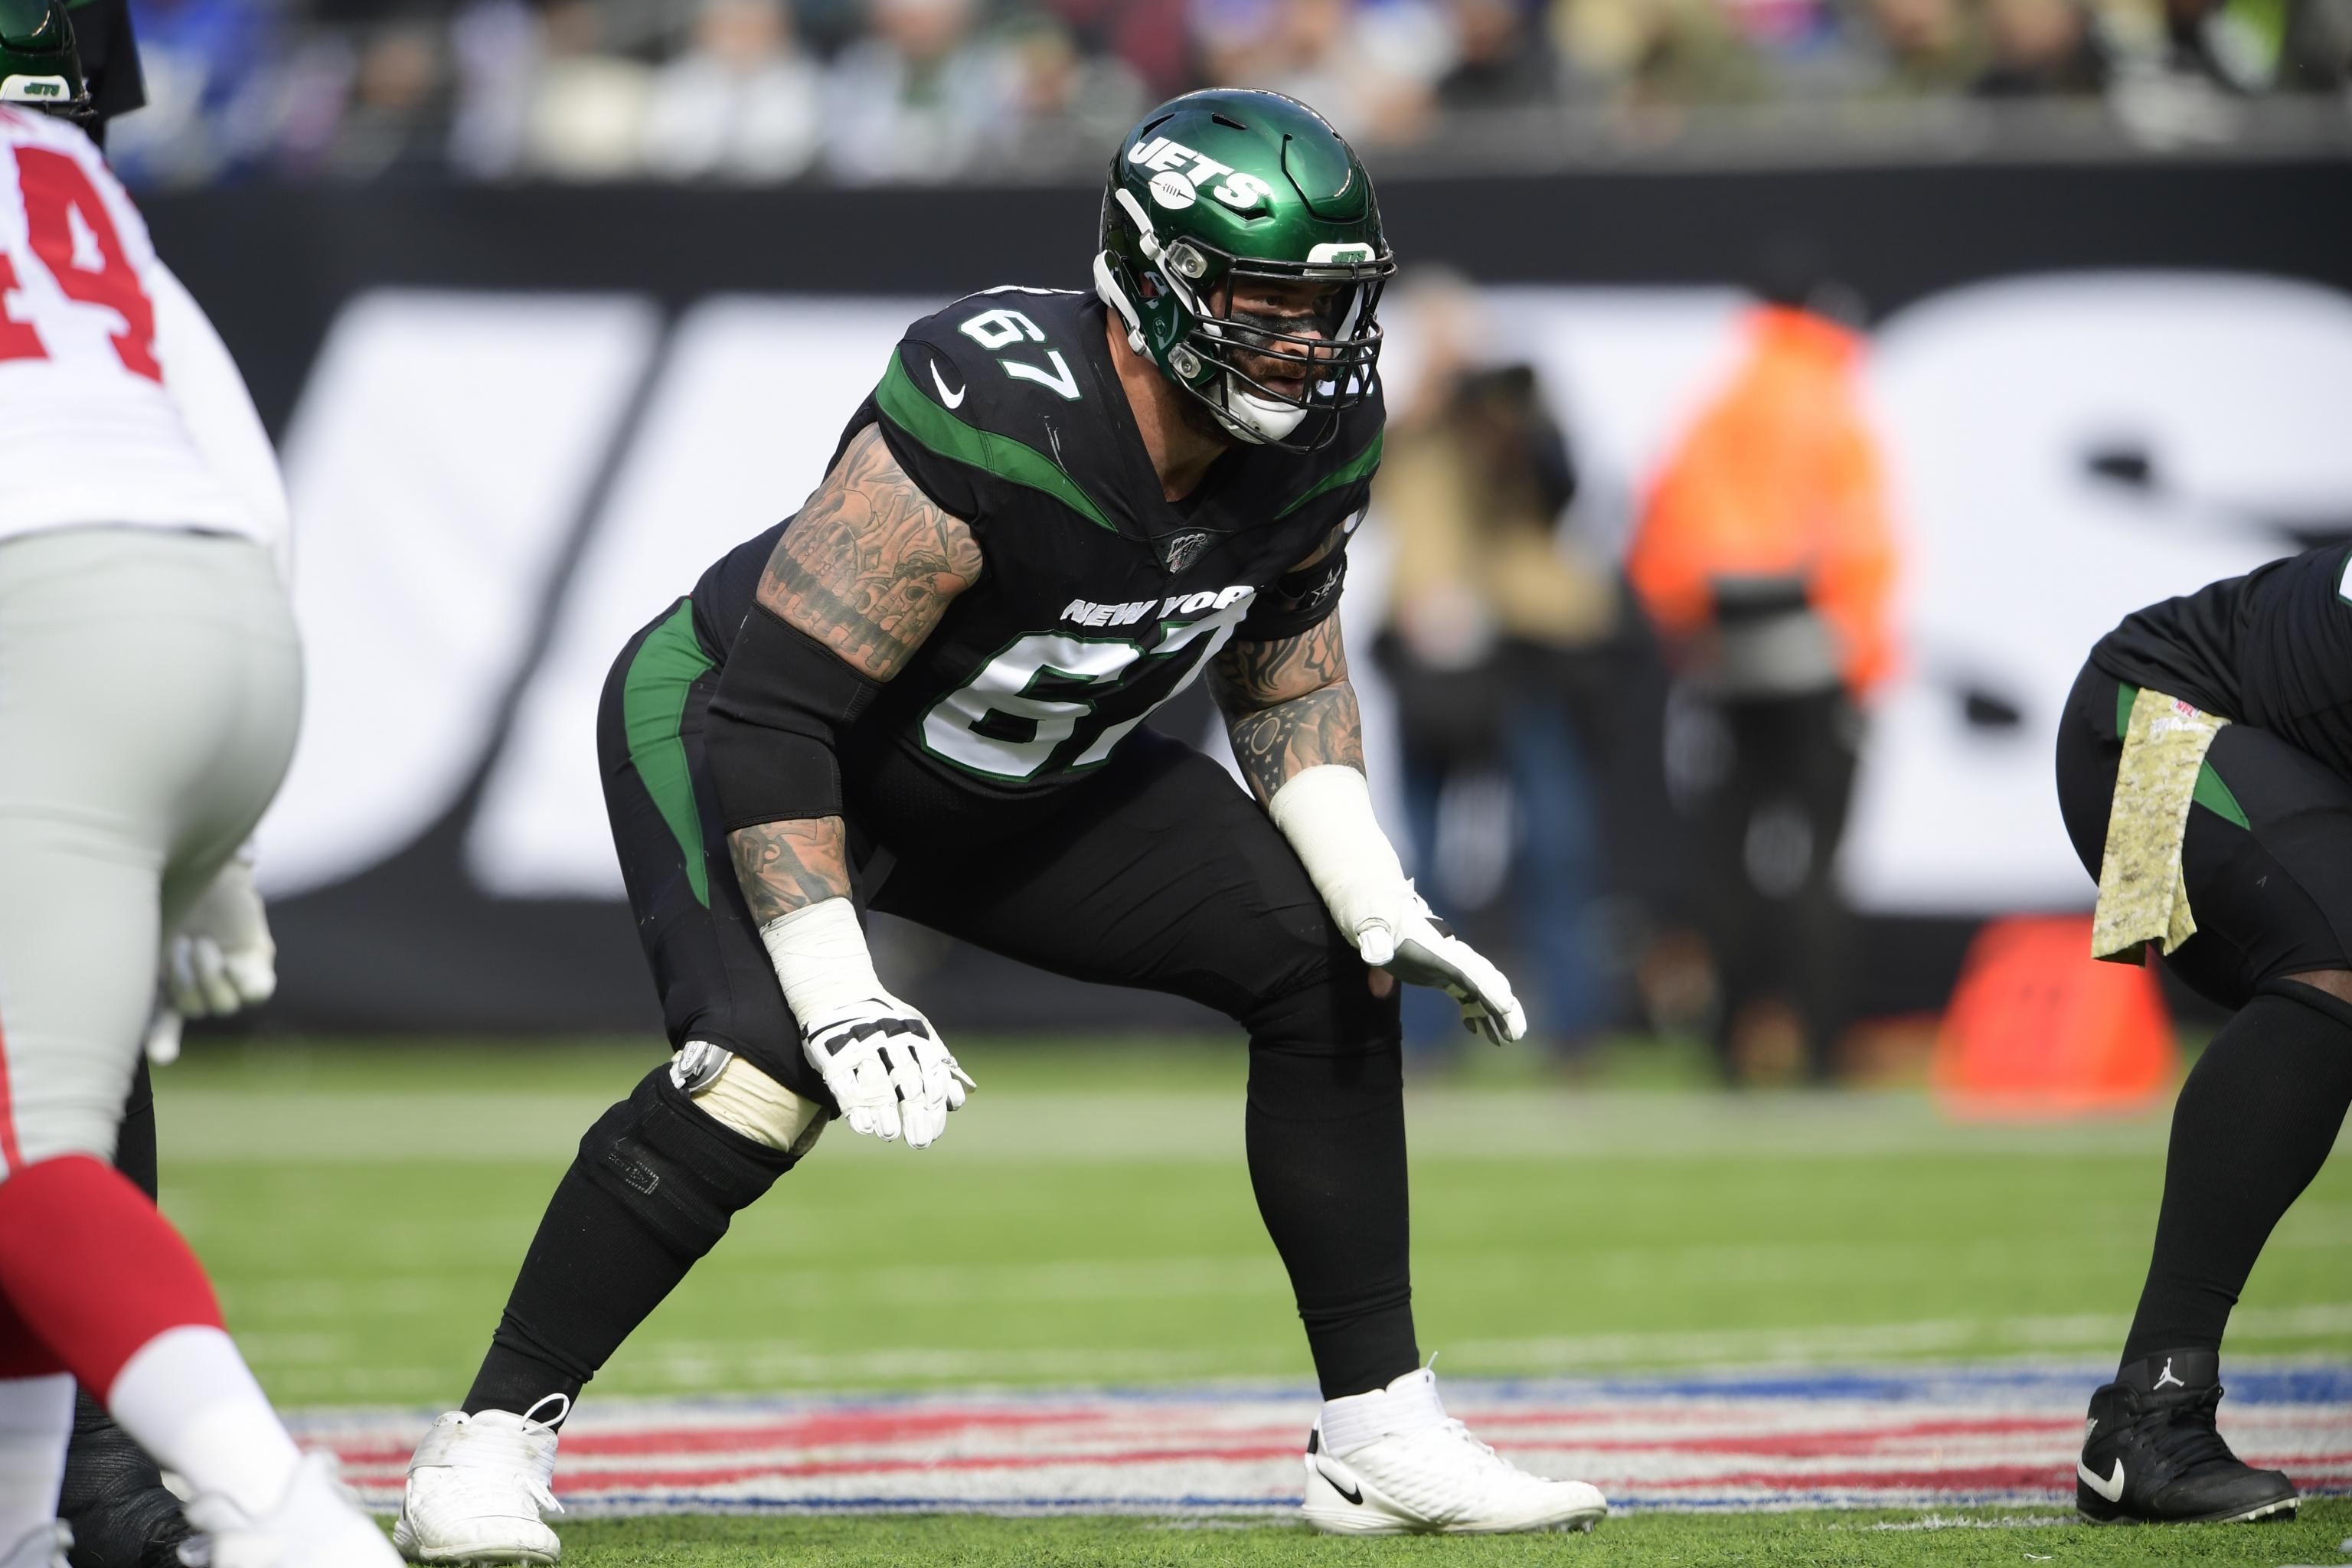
<point>1087,1219</point>
<point>1818,1540</point>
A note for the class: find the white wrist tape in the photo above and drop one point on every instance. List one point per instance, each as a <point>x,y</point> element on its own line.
<point>821,958</point>
<point>1327,813</point>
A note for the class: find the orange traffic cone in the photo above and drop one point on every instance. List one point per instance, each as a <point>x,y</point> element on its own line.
<point>2037,1029</point>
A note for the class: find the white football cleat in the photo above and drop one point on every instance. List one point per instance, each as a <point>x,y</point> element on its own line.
<point>315,1525</point>
<point>478,1489</point>
<point>43,1547</point>
<point>1391,1462</point>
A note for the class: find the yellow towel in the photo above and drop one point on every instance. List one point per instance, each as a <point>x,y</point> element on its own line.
<point>2142,898</point>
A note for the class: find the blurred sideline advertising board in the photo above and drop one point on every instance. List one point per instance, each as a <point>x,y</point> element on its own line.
<point>516,424</point>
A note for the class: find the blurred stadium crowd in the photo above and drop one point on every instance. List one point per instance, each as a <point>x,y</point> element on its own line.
<point>909,91</point>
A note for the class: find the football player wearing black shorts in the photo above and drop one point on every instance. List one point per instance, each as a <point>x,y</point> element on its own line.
<point>2205,773</point>
<point>926,694</point>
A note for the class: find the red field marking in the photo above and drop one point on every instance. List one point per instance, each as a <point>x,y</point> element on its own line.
<point>1929,1438</point>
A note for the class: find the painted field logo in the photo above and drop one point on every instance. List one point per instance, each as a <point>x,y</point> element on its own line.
<point>1918,1438</point>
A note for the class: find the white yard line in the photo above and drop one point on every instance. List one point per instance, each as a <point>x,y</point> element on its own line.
<point>212,1126</point>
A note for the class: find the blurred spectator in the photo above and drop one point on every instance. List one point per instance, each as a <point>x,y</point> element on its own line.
<point>919,98</point>
<point>1924,46</point>
<point>1069,109</point>
<point>740,101</point>
<point>2221,43</point>
<point>494,50</point>
<point>586,119</point>
<point>2317,46</point>
<point>1367,66</point>
<point>1660,52</point>
<point>1149,36</point>
<point>928,89</point>
<point>398,98</point>
<point>2040,48</point>
<point>1501,60</point>
<point>1491,624</point>
<point>1766,556</point>
<point>209,80</point>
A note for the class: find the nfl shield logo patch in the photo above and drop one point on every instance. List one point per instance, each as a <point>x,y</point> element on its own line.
<point>1182,550</point>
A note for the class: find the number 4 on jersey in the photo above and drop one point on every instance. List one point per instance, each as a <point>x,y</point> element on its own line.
<point>71,232</point>
<point>1001,329</point>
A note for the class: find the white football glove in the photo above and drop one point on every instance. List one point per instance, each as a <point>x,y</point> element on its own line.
<point>1427,953</point>
<point>1325,812</point>
<point>881,1059</point>
<point>885,1064</point>
<point>219,959</point>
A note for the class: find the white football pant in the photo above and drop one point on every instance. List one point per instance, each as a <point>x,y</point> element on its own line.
<point>149,687</point>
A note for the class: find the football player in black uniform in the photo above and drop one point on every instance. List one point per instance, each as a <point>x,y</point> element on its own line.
<point>926,693</point>
<point>2205,773</point>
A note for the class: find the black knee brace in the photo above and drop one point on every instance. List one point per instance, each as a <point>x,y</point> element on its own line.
<point>675,1168</point>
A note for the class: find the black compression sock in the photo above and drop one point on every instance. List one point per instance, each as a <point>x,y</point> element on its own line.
<point>652,1190</point>
<point>2254,1122</point>
<point>1326,1139</point>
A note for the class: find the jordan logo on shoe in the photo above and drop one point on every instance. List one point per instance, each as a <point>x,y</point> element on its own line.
<point>2112,1489</point>
<point>2165,1377</point>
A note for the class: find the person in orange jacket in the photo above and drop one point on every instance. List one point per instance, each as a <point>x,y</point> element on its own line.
<point>1766,556</point>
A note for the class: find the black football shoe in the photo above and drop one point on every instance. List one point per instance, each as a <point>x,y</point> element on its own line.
<point>2151,1454</point>
<point>122,1516</point>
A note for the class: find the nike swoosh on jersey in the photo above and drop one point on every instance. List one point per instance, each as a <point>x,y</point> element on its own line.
<point>1353,1494</point>
<point>2112,1489</point>
<point>953,399</point>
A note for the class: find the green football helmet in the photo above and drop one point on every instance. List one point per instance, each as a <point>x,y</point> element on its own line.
<point>39,66</point>
<point>1225,187</point>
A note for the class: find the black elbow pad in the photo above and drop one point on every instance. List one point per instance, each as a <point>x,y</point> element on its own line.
<point>775,724</point>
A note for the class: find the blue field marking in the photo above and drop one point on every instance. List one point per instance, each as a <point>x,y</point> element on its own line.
<point>1899,1438</point>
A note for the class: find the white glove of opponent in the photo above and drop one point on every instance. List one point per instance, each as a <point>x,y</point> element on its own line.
<point>881,1059</point>
<point>1325,812</point>
<point>219,959</point>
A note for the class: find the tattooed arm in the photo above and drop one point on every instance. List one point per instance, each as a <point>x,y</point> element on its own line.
<point>1288,706</point>
<point>1287,703</point>
<point>1300,742</point>
<point>868,569</point>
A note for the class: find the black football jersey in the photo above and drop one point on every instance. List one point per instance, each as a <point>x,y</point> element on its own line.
<point>2273,648</point>
<point>1098,599</point>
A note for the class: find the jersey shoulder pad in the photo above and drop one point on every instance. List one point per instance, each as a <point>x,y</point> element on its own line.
<point>977,400</point>
<point>1004,353</point>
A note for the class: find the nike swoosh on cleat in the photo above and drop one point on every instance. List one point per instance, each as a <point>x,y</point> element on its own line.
<point>2111,1488</point>
<point>953,399</point>
<point>1353,1494</point>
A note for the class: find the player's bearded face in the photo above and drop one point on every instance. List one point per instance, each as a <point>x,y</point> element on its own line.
<point>1285,313</point>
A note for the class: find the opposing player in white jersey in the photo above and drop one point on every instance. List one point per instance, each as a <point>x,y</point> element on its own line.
<point>150,684</point>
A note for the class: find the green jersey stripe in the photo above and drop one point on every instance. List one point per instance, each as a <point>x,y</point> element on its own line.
<point>903,405</point>
<point>652,701</point>
<point>1356,467</point>
<point>2209,791</point>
